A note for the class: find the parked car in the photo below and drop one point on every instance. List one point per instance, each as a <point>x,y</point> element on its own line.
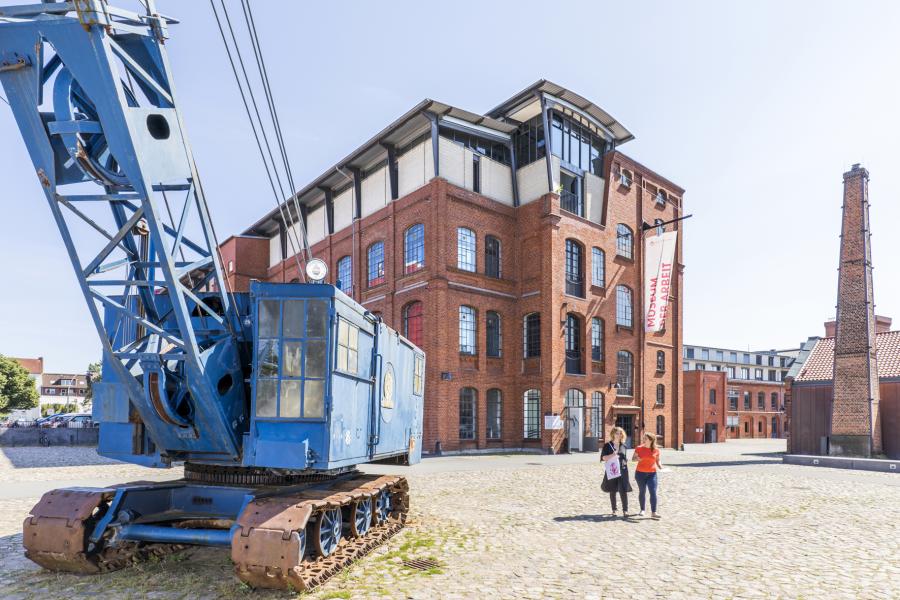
<point>51,420</point>
<point>76,420</point>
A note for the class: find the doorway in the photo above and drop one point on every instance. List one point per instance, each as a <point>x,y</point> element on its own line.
<point>626,422</point>
<point>576,428</point>
<point>711,433</point>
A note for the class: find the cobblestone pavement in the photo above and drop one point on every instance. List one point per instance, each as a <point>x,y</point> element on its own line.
<point>736,524</point>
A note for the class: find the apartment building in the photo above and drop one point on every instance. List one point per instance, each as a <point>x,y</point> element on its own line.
<point>508,245</point>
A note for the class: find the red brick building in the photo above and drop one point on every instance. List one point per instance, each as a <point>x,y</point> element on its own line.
<point>517,270</point>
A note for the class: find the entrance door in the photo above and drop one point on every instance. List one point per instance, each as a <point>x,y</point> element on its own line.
<point>711,433</point>
<point>626,422</point>
<point>576,428</point>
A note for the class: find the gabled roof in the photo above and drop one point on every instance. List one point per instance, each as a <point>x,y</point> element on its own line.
<point>820,364</point>
<point>34,366</point>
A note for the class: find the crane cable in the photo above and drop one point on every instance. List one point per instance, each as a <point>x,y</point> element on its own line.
<point>262,143</point>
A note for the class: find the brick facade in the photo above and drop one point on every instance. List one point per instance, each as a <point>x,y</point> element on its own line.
<point>757,421</point>
<point>533,239</point>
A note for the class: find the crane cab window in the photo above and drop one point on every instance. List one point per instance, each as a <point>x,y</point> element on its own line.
<point>348,347</point>
<point>419,375</point>
<point>290,359</point>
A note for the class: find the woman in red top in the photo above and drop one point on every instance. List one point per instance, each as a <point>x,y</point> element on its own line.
<point>647,455</point>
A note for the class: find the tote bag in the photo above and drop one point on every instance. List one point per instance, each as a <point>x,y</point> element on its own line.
<point>613,468</point>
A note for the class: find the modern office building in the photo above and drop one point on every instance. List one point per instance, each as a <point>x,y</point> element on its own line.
<point>734,393</point>
<point>508,245</point>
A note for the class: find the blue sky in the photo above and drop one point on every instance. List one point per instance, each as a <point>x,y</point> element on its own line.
<point>755,108</point>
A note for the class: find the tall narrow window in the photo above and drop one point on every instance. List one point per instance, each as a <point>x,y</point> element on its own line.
<point>344,281</point>
<point>625,373</point>
<point>494,334</point>
<point>376,264</point>
<point>761,401</point>
<point>660,361</point>
<point>596,412</point>
<point>413,319</point>
<point>597,335</point>
<point>466,330</point>
<point>598,267</point>
<point>660,393</point>
<point>624,308</point>
<point>774,400</point>
<point>624,241</point>
<point>574,269</point>
<point>492,256</point>
<point>712,395</point>
<point>747,401</point>
<point>494,414</point>
<point>476,173</point>
<point>532,335</point>
<point>532,415</point>
<point>573,345</point>
<point>467,412</point>
<point>414,248</point>
<point>465,249</point>
<point>660,426</point>
<point>570,198</point>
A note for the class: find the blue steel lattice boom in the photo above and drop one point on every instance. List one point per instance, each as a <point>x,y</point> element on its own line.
<point>270,399</point>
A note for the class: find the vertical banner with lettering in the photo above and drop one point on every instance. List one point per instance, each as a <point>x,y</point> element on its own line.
<point>659,269</point>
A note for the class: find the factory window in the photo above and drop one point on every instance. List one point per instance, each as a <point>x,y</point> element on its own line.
<point>530,142</point>
<point>732,399</point>
<point>467,412</point>
<point>596,414</point>
<point>376,264</point>
<point>574,269</point>
<point>532,335</point>
<point>660,361</point>
<point>598,267</point>
<point>625,373</point>
<point>494,413</point>
<point>492,256</point>
<point>748,401</point>
<point>624,314</point>
<point>413,319</point>
<point>414,248</point>
<point>466,330</point>
<point>660,426</point>
<point>291,358</point>
<point>465,249</point>
<point>573,345</point>
<point>774,400</point>
<point>494,334</point>
<point>574,398</point>
<point>570,196</point>
<point>712,395</point>
<point>476,173</point>
<point>624,241</point>
<point>597,335</point>
<point>344,280</point>
<point>348,347</point>
<point>419,375</point>
<point>660,393</point>
<point>576,144</point>
<point>497,151</point>
<point>761,401</point>
<point>532,415</point>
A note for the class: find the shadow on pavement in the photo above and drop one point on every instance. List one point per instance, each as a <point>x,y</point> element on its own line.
<point>729,463</point>
<point>591,518</point>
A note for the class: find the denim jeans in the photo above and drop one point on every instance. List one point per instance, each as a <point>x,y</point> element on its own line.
<point>645,481</point>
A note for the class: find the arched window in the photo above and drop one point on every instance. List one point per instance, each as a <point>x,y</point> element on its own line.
<point>494,413</point>
<point>625,373</point>
<point>532,335</point>
<point>467,411</point>
<point>465,249</point>
<point>660,393</point>
<point>660,426</point>
<point>344,281</point>
<point>532,415</point>
<point>413,320</point>
<point>774,401</point>
<point>660,228</point>
<point>660,361</point>
<point>597,338</point>
<point>624,241</point>
<point>761,401</point>
<point>466,330</point>
<point>574,397</point>
<point>494,334</point>
<point>598,267</point>
<point>492,256</point>
<point>624,307</point>
<point>376,264</point>
<point>574,268</point>
<point>573,344</point>
<point>414,248</point>
<point>712,395</point>
<point>596,414</point>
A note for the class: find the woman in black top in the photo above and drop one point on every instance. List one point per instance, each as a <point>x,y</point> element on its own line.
<point>615,450</point>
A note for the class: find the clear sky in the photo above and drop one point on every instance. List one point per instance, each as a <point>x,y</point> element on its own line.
<point>756,108</point>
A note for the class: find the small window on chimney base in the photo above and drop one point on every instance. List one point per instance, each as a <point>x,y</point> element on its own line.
<point>231,266</point>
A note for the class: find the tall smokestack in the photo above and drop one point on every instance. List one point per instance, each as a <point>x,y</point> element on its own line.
<point>855,426</point>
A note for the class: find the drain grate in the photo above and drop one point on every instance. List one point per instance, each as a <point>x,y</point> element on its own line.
<point>421,564</point>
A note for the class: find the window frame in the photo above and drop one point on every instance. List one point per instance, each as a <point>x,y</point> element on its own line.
<point>624,241</point>
<point>624,379</point>
<point>344,263</point>
<point>574,268</point>
<point>531,414</point>
<point>468,349</point>
<point>414,249</point>
<point>375,276</point>
<point>493,256</point>
<point>466,250</point>
<point>598,335</point>
<point>417,335</point>
<point>471,428</point>
<point>624,306</point>
<point>598,267</point>
<point>531,335</point>
<point>493,347</point>
<point>494,404</point>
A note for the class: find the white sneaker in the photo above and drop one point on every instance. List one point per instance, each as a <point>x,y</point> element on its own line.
<point>641,513</point>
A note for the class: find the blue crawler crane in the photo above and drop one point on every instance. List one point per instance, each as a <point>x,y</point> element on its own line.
<point>270,399</point>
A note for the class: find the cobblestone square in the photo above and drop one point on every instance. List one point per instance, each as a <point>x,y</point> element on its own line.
<point>737,523</point>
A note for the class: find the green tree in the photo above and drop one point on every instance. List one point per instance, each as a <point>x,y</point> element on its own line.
<point>93,376</point>
<point>17,389</point>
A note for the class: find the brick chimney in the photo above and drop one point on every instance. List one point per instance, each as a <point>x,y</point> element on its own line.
<point>855,427</point>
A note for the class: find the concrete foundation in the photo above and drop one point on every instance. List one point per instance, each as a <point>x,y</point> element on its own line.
<point>850,446</point>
